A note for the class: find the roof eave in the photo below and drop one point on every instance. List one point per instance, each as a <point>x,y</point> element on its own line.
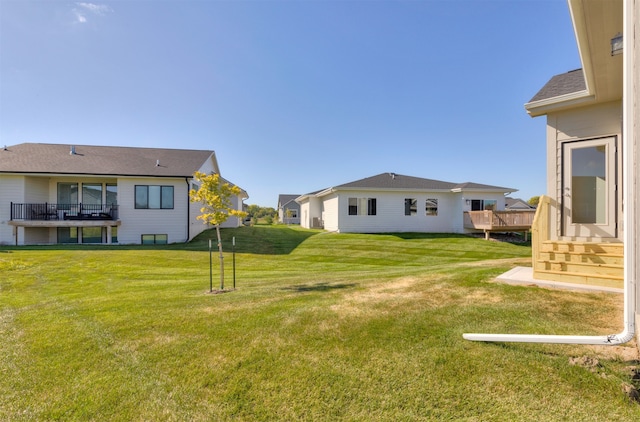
<point>501,190</point>
<point>561,102</point>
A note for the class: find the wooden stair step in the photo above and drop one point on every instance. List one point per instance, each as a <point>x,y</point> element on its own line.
<point>577,258</point>
<point>580,278</point>
<point>613,275</point>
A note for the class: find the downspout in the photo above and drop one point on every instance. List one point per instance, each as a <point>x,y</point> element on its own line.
<point>630,210</point>
<point>186,179</point>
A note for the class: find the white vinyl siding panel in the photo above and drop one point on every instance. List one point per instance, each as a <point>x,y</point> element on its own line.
<point>136,222</point>
<point>36,189</point>
<point>390,213</point>
<point>305,218</point>
<point>11,190</point>
<point>330,212</point>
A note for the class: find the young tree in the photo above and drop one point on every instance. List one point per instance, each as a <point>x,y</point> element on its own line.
<point>533,201</point>
<point>215,196</point>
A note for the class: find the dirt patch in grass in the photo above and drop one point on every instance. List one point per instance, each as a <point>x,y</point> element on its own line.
<point>421,291</point>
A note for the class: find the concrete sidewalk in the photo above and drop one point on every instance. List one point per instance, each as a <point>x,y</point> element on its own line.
<point>524,276</point>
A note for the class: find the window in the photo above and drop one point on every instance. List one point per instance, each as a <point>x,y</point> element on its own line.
<point>431,207</point>
<point>490,204</point>
<point>371,206</point>
<point>410,206</point>
<point>112,194</point>
<point>483,204</point>
<point>362,206</point>
<point>290,213</point>
<point>92,193</point>
<point>154,239</point>
<point>92,235</point>
<point>67,194</point>
<point>154,197</point>
<point>67,235</point>
<point>353,206</point>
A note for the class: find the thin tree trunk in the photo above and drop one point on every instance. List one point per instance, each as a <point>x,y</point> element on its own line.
<point>221,257</point>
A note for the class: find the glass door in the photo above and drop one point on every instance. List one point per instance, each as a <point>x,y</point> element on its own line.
<point>588,188</point>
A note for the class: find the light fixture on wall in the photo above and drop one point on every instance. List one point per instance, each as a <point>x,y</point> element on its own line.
<point>616,44</point>
<point>468,201</point>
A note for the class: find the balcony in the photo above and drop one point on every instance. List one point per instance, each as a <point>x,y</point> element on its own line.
<point>62,212</point>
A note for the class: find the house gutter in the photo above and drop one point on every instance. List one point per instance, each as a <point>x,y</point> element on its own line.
<point>630,177</point>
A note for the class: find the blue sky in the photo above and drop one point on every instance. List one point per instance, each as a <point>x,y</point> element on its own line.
<point>293,96</point>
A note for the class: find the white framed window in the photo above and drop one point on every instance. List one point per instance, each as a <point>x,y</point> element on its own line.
<point>410,206</point>
<point>362,206</point>
<point>431,207</point>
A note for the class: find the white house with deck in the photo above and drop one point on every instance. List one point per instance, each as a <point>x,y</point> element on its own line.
<point>391,202</point>
<point>54,193</point>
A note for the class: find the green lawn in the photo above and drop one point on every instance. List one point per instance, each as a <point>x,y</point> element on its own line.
<point>321,327</point>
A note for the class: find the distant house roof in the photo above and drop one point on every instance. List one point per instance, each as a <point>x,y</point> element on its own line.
<point>517,203</point>
<point>563,84</point>
<point>284,199</point>
<point>390,181</point>
<point>103,160</point>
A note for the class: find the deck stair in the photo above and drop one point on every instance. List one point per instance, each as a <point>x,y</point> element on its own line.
<point>580,262</point>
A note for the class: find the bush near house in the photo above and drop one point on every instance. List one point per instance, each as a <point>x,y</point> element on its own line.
<point>321,327</point>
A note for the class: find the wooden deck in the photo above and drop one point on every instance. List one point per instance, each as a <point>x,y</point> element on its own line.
<point>499,221</point>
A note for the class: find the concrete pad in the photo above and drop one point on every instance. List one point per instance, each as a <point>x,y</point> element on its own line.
<point>524,276</point>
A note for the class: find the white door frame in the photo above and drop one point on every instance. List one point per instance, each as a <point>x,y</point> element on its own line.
<point>589,183</point>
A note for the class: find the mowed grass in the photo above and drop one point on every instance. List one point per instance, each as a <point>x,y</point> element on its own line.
<point>321,326</point>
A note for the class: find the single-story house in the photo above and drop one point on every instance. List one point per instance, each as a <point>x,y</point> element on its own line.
<point>391,202</point>
<point>55,193</point>
<point>288,209</point>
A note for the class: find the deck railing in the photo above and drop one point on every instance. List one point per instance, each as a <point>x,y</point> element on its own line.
<point>514,220</point>
<point>540,232</point>
<point>499,221</point>
<point>47,211</point>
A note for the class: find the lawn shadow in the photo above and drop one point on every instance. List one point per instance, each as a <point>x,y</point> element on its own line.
<point>318,287</point>
<point>420,235</point>
<point>259,240</point>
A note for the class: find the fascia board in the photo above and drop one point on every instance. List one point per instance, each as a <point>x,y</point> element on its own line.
<point>389,190</point>
<point>214,159</point>
<point>462,190</point>
<point>539,108</point>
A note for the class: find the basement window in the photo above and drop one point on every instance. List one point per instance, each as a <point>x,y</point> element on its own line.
<point>154,239</point>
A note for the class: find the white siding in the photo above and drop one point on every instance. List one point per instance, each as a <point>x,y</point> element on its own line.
<point>329,212</point>
<point>136,222</point>
<point>390,213</point>
<point>36,190</point>
<point>36,235</point>
<point>208,167</point>
<point>11,190</point>
<point>305,215</point>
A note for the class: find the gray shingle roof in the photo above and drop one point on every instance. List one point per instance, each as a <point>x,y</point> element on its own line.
<point>399,181</point>
<point>284,199</point>
<point>563,84</point>
<point>101,160</point>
